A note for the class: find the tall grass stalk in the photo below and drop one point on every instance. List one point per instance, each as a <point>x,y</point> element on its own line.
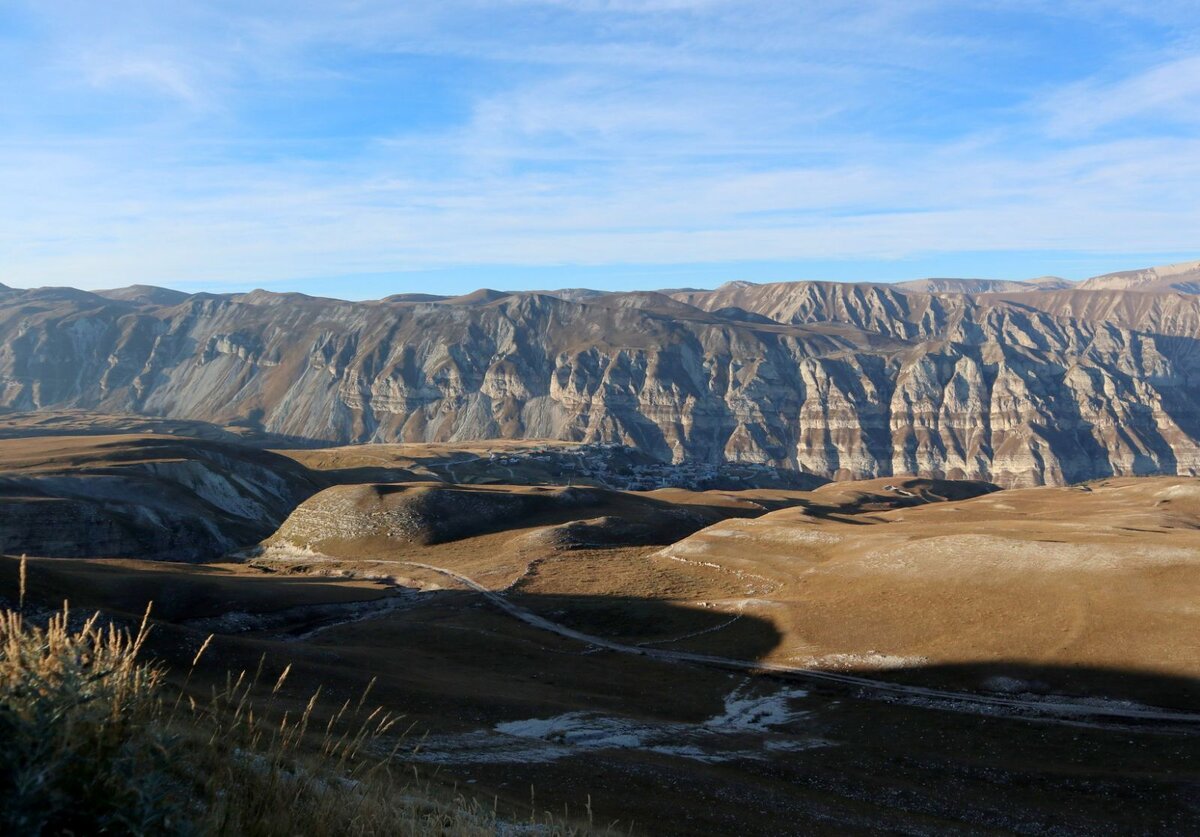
<point>93,742</point>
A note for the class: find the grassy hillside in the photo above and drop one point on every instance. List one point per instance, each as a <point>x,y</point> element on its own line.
<point>97,742</point>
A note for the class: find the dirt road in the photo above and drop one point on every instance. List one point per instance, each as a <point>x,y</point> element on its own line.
<point>1051,707</point>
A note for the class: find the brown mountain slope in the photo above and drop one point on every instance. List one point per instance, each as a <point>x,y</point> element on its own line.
<point>873,575</point>
<point>142,496</point>
<point>1105,575</point>
<point>840,380</point>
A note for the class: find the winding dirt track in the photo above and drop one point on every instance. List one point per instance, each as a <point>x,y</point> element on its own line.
<point>958,700</point>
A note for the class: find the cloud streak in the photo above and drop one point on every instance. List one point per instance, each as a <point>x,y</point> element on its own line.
<point>224,145</point>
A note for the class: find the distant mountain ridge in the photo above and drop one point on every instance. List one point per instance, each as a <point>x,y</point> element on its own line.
<point>1183,277</point>
<point>984,286</point>
<point>1016,383</point>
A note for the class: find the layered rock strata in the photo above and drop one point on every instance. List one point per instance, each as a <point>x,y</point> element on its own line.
<point>1018,387</point>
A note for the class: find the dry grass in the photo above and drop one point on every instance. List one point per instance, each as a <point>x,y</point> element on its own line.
<point>96,742</point>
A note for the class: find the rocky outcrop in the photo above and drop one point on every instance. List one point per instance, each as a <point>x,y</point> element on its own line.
<point>142,496</point>
<point>373,520</point>
<point>1019,387</point>
<point>421,515</point>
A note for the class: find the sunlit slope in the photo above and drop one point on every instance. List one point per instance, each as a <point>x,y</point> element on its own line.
<point>1104,574</point>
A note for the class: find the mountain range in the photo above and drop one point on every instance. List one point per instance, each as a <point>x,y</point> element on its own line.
<point>1044,381</point>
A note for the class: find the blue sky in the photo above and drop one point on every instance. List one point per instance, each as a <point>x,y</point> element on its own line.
<point>358,149</point>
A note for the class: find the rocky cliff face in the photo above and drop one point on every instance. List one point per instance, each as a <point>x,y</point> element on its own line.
<point>1018,387</point>
<point>142,496</point>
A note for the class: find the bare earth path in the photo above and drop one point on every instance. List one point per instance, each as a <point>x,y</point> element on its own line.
<point>1057,707</point>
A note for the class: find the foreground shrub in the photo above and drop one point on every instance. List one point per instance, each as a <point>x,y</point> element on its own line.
<point>79,751</point>
<point>92,741</point>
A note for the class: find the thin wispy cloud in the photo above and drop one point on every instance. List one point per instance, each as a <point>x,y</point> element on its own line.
<point>226,145</point>
<point>1166,95</point>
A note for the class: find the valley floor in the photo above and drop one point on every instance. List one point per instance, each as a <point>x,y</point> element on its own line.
<point>905,655</point>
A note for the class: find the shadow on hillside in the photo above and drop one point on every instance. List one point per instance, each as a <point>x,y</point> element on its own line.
<point>364,474</point>
<point>177,592</point>
<point>440,513</point>
<point>277,607</point>
<point>1041,681</point>
<point>853,758</point>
